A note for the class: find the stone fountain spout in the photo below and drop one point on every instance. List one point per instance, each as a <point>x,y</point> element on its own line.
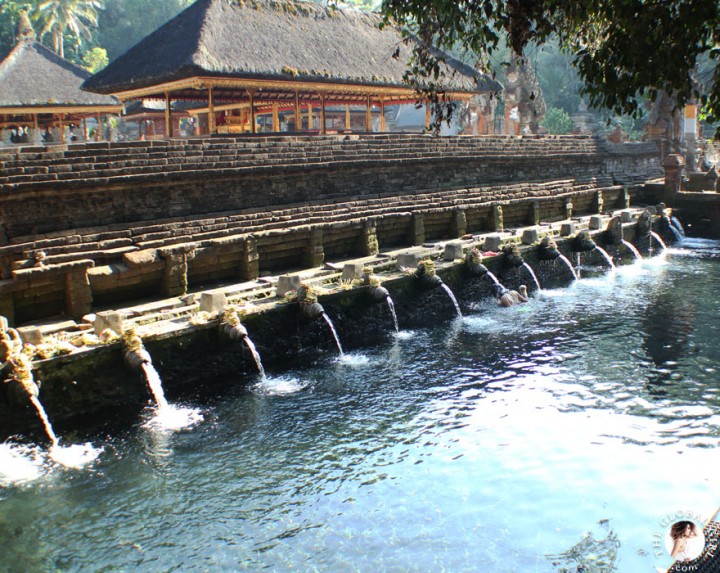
<point>548,249</point>
<point>377,292</point>
<point>310,308</point>
<point>643,227</point>
<point>231,326</point>
<point>473,265</point>
<point>512,259</point>
<point>425,273</point>
<point>583,242</point>
<point>134,351</point>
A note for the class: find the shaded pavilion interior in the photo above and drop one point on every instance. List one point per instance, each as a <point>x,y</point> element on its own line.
<point>276,66</point>
<point>41,99</point>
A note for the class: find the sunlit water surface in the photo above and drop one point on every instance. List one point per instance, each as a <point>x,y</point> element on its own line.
<point>484,445</point>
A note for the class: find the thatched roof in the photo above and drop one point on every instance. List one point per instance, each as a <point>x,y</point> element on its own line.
<point>33,76</point>
<point>272,39</point>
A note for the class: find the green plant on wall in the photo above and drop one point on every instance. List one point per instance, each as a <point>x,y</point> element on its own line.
<point>557,121</point>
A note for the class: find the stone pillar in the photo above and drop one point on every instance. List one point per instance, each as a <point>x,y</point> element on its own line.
<point>599,202</point>
<point>250,264</point>
<point>497,222</point>
<point>7,136</point>
<point>534,216</point>
<point>625,198</point>
<point>78,294</point>
<point>458,225</point>
<point>673,165</point>
<point>175,279</point>
<point>314,253</point>
<point>36,136</point>
<point>568,208</point>
<point>416,233</point>
<point>368,242</point>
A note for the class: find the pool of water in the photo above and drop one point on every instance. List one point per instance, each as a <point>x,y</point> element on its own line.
<point>520,439</point>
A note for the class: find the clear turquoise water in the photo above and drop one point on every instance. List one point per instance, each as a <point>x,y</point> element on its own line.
<point>484,445</point>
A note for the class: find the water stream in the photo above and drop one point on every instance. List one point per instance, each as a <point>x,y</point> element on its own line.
<point>391,306</point>
<point>44,418</point>
<point>568,264</point>
<point>606,256</point>
<point>528,268</point>
<point>677,225</point>
<point>628,245</point>
<point>658,238</point>
<point>451,296</point>
<point>256,357</point>
<point>493,278</point>
<point>329,322</point>
<point>155,384</point>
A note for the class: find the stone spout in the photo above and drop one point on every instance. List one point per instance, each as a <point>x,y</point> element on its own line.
<point>17,375</point>
<point>473,265</point>
<point>425,273</point>
<point>378,293</point>
<point>547,250</point>
<point>134,352</point>
<point>231,327</point>
<point>234,332</point>
<point>643,227</point>
<point>512,259</point>
<point>583,242</point>
<point>311,310</point>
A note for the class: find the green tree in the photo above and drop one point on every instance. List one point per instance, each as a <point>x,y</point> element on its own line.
<point>95,59</point>
<point>557,121</point>
<point>9,15</point>
<point>623,50</point>
<point>60,16</point>
<point>124,23</point>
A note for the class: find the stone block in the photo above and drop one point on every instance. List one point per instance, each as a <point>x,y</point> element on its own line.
<point>595,223</point>
<point>530,236</point>
<point>626,216</point>
<point>453,251</point>
<point>287,283</point>
<point>567,229</point>
<point>492,243</point>
<point>352,271</point>
<point>212,302</point>
<point>31,335</point>
<point>108,319</point>
<point>407,260</point>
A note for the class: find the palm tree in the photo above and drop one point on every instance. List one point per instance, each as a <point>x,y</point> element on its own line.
<point>59,16</point>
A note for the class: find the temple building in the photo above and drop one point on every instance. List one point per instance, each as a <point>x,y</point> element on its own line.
<point>277,66</point>
<point>40,96</point>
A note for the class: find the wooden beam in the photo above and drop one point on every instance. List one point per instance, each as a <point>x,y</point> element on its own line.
<point>98,117</point>
<point>368,115</point>
<point>347,117</point>
<point>211,112</point>
<point>298,116</point>
<point>310,115</point>
<point>275,118</point>
<point>323,119</point>
<point>168,116</point>
<point>61,129</point>
<point>428,114</point>
<point>253,127</point>
<point>382,114</point>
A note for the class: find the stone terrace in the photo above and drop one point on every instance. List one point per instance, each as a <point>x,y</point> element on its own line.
<point>102,223</point>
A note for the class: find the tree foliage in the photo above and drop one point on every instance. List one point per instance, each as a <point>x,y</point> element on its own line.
<point>557,121</point>
<point>56,17</point>
<point>95,60</point>
<point>623,50</point>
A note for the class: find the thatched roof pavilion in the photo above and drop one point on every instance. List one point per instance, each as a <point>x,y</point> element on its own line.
<point>39,89</point>
<point>269,56</point>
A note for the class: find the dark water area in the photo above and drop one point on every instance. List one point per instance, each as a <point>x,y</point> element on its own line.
<point>503,441</point>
